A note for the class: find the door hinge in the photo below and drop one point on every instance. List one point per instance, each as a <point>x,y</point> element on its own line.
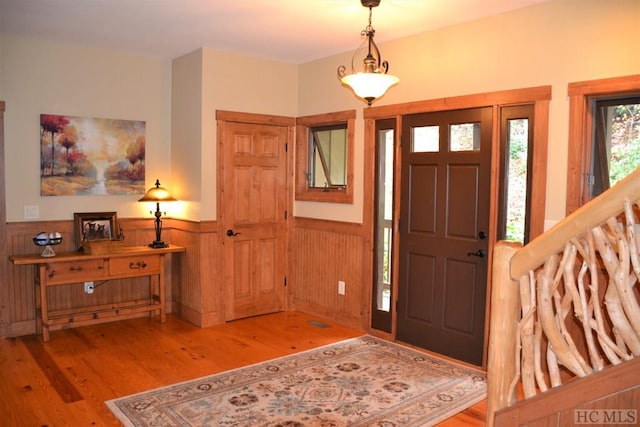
<point>286,147</point>
<point>286,215</point>
<point>285,281</point>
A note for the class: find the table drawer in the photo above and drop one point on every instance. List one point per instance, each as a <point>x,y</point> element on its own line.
<point>134,265</point>
<point>75,271</point>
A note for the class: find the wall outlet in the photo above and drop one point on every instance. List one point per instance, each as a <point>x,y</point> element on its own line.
<point>88,287</point>
<point>341,287</point>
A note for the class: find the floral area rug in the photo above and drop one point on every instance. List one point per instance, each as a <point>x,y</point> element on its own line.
<point>362,381</point>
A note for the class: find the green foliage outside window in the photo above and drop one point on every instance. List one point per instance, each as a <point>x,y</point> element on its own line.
<point>625,141</point>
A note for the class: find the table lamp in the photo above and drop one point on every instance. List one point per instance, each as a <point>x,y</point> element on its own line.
<point>157,194</point>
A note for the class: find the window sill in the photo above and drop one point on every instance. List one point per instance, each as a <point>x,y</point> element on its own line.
<point>333,195</point>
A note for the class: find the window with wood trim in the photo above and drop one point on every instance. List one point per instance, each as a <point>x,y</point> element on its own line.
<point>516,159</point>
<point>615,148</point>
<point>604,136</point>
<point>324,157</point>
<point>327,157</point>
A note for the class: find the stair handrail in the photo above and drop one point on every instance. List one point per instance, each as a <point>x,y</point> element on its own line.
<point>535,287</point>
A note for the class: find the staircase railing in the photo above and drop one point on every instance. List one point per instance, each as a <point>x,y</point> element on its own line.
<point>566,305</point>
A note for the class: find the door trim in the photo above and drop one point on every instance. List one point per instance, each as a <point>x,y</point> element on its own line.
<point>539,96</point>
<point>4,288</point>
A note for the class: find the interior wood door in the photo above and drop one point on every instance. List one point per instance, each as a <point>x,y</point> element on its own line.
<point>444,221</point>
<point>253,214</point>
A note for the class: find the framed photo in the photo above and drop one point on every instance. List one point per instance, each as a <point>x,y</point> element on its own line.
<point>95,226</point>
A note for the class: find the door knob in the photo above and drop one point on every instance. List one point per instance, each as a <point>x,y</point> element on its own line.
<point>482,235</point>
<point>231,233</point>
<point>479,253</point>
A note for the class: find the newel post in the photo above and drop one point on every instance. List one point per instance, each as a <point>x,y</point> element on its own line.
<point>503,326</point>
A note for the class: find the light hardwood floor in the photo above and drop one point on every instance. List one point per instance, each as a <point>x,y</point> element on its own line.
<point>65,382</point>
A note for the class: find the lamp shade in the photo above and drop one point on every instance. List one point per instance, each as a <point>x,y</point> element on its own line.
<point>157,194</point>
<point>369,86</point>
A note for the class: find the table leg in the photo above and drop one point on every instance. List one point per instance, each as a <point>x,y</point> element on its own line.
<point>42,325</point>
<point>161,291</point>
<point>38,298</point>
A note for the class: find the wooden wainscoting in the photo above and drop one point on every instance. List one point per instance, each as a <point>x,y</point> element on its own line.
<point>17,311</point>
<point>197,288</point>
<point>322,253</point>
<point>613,393</point>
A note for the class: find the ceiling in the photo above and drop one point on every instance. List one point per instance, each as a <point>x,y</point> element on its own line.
<point>294,31</point>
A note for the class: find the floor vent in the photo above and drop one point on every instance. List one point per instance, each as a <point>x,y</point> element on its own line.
<point>318,324</point>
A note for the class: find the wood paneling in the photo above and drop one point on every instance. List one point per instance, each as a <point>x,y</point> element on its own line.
<point>196,282</point>
<point>17,286</point>
<point>616,388</point>
<point>5,319</point>
<point>322,253</point>
<point>18,309</point>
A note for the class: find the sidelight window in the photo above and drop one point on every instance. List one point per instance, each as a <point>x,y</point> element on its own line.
<point>384,230</point>
<point>516,136</point>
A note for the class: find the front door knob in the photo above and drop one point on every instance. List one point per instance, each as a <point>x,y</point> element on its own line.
<point>231,233</point>
<point>479,253</point>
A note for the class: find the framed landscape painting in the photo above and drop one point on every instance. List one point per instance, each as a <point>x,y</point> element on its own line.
<point>91,156</point>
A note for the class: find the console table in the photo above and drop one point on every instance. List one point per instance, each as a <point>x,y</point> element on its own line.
<point>76,267</point>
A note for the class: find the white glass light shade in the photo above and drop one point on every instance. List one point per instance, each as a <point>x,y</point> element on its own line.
<point>369,86</point>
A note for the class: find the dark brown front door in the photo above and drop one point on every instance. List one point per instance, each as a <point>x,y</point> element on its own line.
<point>446,159</point>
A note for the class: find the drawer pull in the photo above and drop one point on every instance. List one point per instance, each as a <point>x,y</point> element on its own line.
<point>52,273</point>
<point>137,265</point>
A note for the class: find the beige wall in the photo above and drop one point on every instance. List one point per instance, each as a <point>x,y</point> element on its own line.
<point>550,44</point>
<point>205,81</point>
<point>186,132</point>
<point>46,77</point>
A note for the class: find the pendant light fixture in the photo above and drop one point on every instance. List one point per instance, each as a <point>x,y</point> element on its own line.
<point>373,81</point>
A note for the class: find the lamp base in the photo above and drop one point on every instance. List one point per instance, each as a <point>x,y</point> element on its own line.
<point>157,244</point>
